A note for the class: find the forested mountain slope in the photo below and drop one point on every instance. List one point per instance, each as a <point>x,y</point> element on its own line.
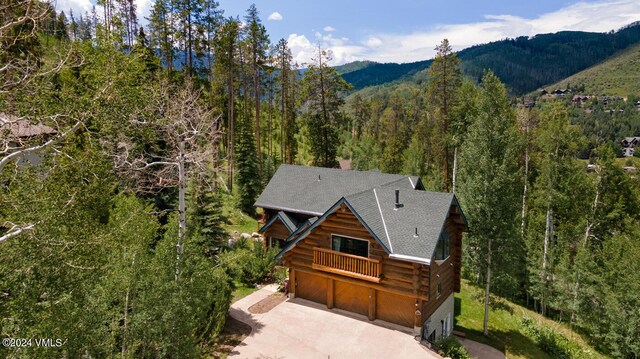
<point>524,64</point>
<point>617,76</point>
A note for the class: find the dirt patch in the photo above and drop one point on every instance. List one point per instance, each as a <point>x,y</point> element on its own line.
<point>233,333</point>
<point>267,303</point>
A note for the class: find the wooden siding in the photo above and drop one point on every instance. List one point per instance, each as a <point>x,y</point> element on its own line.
<point>277,229</point>
<point>399,277</point>
<point>446,272</point>
<point>401,284</point>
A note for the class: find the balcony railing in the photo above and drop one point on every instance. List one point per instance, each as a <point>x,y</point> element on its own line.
<point>347,264</point>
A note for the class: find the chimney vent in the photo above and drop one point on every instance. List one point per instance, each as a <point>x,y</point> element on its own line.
<point>398,199</point>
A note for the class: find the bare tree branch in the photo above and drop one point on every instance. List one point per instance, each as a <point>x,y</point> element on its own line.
<point>16,230</point>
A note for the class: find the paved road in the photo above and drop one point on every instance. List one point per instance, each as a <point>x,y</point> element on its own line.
<point>301,329</point>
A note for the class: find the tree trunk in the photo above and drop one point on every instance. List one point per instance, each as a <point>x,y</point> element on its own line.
<point>182,227</point>
<point>524,191</point>
<point>548,232</point>
<point>585,241</point>
<point>455,169</point>
<point>124,330</point>
<point>283,115</point>
<point>256,94</point>
<point>485,327</point>
<point>230,140</point>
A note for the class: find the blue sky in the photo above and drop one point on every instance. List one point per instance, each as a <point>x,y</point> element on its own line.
<point>408,30</point>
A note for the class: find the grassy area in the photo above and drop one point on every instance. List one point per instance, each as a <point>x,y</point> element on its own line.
<point>241,291</point>
<point>237,220</point>
<point>628,161</point>
<point>505,325</point>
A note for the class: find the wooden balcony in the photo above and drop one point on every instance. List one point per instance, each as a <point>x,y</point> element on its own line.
<point>347,264</point>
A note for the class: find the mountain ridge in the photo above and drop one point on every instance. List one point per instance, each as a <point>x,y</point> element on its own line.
<point>523,63</point>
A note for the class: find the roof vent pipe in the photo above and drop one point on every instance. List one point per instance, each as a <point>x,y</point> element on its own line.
<point>416,234</point>
<point>397,198</point>
<point>318,177</point>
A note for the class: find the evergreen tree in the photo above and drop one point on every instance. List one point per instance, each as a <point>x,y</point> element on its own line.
<point>286,97</point>
<point>488,189</point>
<point>162,32</point>
<point>145,52</point>
<point>258,43</point>
<point>248,176</point>
<point>444,80</point>
<point>322,90</point>
<point>225,74</point>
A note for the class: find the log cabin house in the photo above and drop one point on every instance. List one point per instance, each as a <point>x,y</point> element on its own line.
<point>367,242</point>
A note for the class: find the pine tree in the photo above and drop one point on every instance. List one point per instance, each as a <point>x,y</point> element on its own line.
<point>162,32</point>
<point>322,90</point>
<point>258,43</point>
<point>248,176</point>
<point>444,81</point>
<point>145,52</point>
<point>225,76</point>
<point>361,113</point>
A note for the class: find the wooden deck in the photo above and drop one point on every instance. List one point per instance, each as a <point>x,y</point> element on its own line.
<point>349,265</point>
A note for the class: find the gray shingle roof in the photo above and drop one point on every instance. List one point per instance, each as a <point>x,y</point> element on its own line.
<point>313,190</point>
<point>395,228</point>
<point>289,221</point>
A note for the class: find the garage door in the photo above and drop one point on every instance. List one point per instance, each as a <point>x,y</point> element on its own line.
<point>350,297</point>
<point>395,308</point>
<point>311,287</point>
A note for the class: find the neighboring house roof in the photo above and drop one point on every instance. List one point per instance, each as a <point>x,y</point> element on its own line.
<point>630,141</point>
<point>395,228</point>
<point>312,190</point>
<point>23,128</point>
<point>345,164</point>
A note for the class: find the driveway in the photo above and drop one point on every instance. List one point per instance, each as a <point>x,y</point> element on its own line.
<point>298,328</point>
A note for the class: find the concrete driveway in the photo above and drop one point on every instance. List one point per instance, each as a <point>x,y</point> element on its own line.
<point>299,328</point>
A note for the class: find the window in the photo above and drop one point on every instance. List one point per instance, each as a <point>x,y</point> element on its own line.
<point>443,249</point>
<point>438,290</point>
<point>348,245</point>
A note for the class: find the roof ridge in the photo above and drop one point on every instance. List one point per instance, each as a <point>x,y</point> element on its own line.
<point>386,232</point>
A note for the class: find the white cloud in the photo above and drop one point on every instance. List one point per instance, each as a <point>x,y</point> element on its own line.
<point>143,9</point>
<point>329,29</point>
<point>304,50</point>
<point>372,42</point>
<point>275,16</point>
<point>597,16</point>
<point>78,6</point>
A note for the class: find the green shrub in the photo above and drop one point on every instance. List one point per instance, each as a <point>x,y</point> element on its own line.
<point>451,347</point>
<point>552,342</point>
<point>249,263</point>
<point>281,274</point>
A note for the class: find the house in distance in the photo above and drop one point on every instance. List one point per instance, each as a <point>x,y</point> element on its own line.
<point>370,243</point>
